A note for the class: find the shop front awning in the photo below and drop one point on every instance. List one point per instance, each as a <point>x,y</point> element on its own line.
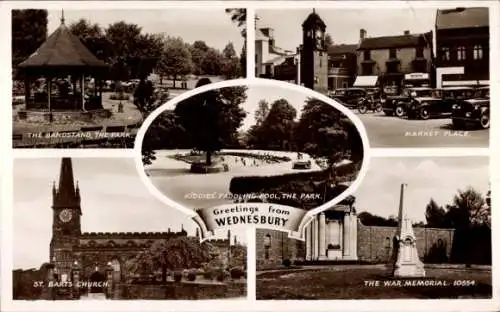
<point>366,81</point>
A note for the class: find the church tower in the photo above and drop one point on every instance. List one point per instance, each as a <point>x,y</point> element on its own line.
<point>314,54</point>
<point>66,224</point>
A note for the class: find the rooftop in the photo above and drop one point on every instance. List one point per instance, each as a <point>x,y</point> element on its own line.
<point>400,41</point>
<point>62,49</point>
<point>342,48</point>
<point>462,18</point>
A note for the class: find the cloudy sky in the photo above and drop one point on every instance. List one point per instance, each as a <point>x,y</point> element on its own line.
<point>343,25</point>
<point>213,26</point>
<point>114,199</point>
<point>436,177</point>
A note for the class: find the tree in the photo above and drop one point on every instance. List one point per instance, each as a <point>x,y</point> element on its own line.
<point>328,41</point>
<point>322,131</point>
<point>229,51</point>
<point>239,16</point>
<point>435,215</point>
<point>211,63</point>
<point>176,59</point>
<point>217,119</point>
<point>230,68</point>
<point>29,31</point>
<point>279,124</point>
<point>243,60</point>
<point>230,64</point>
<point>261,112</point>
<point>369,219</point>
<point>169,254</point>
<point>468,214</point>
<point>92,36</point>
<point>122,38</point>
<point>198,50</point>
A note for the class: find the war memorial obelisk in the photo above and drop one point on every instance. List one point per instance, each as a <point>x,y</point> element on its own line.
<point>406,261</point>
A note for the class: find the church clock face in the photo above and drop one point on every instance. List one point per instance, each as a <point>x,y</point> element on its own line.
<point>319,34</point>
<point>65,215</point>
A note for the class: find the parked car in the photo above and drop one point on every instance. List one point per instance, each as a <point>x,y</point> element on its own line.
<point>398,104</point>
<point>350,97</point>
<point>301,164</point>
<point>472,111</point>
<point>482,93</point>
<point>439,104</point>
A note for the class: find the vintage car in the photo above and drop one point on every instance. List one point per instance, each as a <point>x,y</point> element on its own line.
<point>439,104</point>
<point>398,104</point>
<point>482,93</point>
<point>472,111</point>
<point>350,97</point>
<point>301,164</point>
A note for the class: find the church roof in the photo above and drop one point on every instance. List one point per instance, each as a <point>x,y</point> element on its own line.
<point>313,19</point>
<point>62,49</point>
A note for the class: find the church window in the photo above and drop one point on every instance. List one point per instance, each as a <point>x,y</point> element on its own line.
<point>478,52</point>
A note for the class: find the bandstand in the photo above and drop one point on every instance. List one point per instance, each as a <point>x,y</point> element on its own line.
<point>62,79</point>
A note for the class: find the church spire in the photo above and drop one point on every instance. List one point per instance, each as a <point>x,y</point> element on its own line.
<point>66,194</point>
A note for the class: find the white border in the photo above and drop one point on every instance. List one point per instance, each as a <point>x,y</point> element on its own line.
<point>6,159</point>
<point>257,82</point>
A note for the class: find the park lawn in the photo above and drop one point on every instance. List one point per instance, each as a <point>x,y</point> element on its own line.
<point>348,283</point>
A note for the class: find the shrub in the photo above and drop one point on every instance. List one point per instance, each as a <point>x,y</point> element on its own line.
<point>237,273</point>
<point>208,274</point>
<point>286,263</point>
<point>221,275</point>
<point>177,276</point>
<point>191,276</point>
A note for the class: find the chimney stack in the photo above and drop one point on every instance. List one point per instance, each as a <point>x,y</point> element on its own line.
<point>407,32</point>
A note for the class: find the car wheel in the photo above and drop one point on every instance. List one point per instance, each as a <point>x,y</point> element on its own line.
<point>484,121</point>
<point>378,107</point>
<point>424,113</point>
<point>399,111</point>
<point>362,108</point>
<point>457,124</point>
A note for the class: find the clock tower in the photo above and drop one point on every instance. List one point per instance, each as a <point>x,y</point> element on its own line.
<point>314,54</point>
<point>66,226</point>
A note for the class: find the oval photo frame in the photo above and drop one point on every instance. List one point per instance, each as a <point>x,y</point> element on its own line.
<point>248,83</point>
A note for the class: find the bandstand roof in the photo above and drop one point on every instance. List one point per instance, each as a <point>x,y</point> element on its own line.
<point>62,49</point>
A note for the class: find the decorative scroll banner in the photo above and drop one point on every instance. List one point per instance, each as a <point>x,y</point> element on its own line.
<point>261,215</point>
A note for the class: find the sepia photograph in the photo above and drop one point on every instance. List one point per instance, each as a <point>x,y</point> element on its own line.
<point>416,228</point>
<point>88,228</point>
<point>88,78</point>
<point>252,143</point>
<point>415,76</point>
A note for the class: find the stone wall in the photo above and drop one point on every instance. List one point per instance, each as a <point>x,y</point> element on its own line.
<point>183,291</point>
<point>281,247</point>
<point>375,243</point>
